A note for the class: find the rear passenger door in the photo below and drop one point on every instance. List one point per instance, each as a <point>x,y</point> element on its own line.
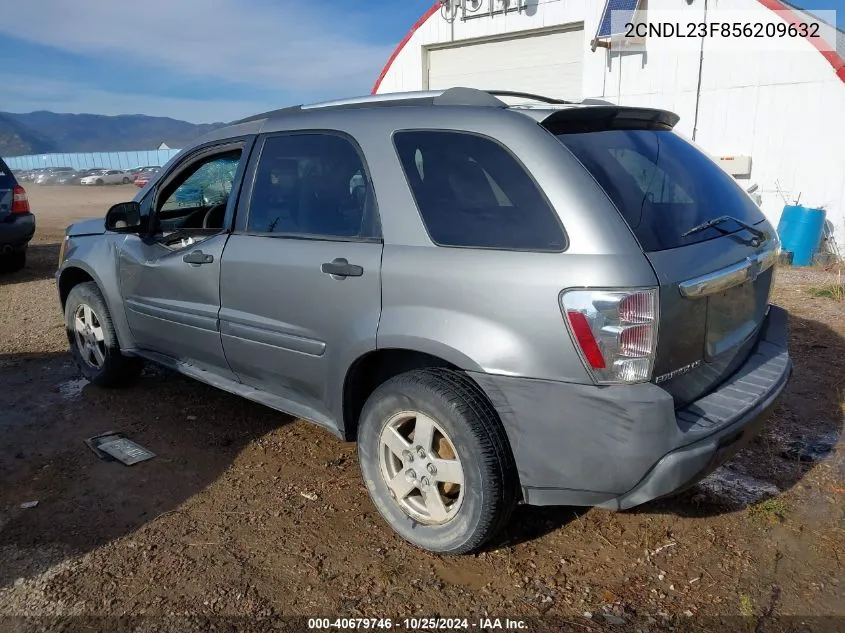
<point>300,284</point>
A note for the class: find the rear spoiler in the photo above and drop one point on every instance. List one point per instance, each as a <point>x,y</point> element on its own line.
<point>598,118</point>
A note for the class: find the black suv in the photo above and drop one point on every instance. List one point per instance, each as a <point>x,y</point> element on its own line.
<point>17,224</point>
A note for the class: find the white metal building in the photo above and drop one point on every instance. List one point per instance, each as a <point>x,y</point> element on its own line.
<point>777,117</point>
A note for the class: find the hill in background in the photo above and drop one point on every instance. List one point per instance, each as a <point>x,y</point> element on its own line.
<point>45,132</point>
<point>17,139</point>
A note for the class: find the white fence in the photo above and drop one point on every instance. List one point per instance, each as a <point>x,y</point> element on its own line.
<point>106,160</point>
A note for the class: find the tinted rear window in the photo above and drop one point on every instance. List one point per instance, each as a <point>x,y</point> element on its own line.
<point>7,178</point>
<point>472,192</point>
<point>662,185</point>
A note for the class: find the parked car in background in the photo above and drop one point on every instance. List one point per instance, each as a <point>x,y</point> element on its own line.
<point>50,177</point>
<point>138,170</point>
<point>34,173</point>
<point>565,304</point>
<point>53,177</point>
<point>30,174</point>
<point>142,178</point>
<point>17,223</point>
<point>44,177</point>
<point>107,177</point>
<point>152,169</point>
<point>75,177</point>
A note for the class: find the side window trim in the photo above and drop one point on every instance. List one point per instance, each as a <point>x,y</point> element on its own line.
<point>244,143</point>
<point>241,226</point>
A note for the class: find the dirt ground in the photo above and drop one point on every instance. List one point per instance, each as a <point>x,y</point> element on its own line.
<point>246,513</point>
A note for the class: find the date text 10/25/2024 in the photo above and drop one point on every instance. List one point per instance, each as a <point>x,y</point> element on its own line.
<point>417,624</point>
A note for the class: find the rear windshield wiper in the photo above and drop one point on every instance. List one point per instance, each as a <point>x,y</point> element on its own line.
<point>715,222</point>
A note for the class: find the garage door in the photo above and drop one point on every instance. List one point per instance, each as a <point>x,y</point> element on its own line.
<point>547,64</point>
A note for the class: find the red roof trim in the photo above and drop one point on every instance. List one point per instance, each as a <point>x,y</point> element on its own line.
<point>431,11</point>
<point>833,58</point>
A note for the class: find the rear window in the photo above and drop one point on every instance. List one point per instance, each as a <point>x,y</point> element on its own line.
<point>471,192</point>
<point>662,185</point>
<point>7,178</point>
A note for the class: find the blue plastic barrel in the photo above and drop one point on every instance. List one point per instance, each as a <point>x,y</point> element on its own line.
<point>800,231</point>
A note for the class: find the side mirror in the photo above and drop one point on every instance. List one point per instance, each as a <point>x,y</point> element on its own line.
<point>124,217</point>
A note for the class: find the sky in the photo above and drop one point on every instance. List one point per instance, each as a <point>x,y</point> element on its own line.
<point>202,60</point>
<point>824,5</point>
<point>196,60</point>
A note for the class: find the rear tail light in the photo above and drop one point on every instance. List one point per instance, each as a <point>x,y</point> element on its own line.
<point>20,203</point>
<point>615,331</point>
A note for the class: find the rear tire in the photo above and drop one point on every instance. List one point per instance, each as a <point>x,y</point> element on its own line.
<point>13,262</point>
<point>125,181</point>
<point>93,341</point>
<point>467,515</point>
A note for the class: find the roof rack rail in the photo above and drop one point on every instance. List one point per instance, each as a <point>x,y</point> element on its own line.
<point>267,115</point>
<point>384,98</point>
<point>457,96</point>
<point>449,96</point>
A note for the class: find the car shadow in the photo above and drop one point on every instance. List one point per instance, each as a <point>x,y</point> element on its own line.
<point>803,430</point>
<point>85,502</point>
<point>42,260</point>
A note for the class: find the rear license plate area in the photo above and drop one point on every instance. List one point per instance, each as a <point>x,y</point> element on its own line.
<point>732,316</point>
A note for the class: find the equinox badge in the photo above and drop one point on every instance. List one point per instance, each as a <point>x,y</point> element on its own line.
<point>676,373</point>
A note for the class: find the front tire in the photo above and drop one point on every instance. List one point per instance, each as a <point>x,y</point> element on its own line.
<point>436,461</point>
<point>125,181</point>
<point>100,182</point>
<point>93,341</point>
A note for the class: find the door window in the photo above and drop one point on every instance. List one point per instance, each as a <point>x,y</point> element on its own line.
<point>312,185</point>
<point>471,192</point>
<point>198,196</point>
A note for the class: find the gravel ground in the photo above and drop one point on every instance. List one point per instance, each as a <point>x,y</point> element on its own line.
<point>248,514</point>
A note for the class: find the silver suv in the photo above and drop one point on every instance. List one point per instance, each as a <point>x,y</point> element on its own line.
<point>554,303</point>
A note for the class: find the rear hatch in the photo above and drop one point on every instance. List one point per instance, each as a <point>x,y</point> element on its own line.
<point>710,246</point>
<point>7,185</point>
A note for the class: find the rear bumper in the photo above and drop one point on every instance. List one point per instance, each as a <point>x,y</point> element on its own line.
<point>17,230</point>
<point>620,446</point>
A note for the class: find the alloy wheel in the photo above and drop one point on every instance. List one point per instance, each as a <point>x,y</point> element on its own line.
<point>88,333</point>
<point>421,468</point>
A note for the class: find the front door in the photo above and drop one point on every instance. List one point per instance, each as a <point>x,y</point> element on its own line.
<point>170,277</point>
<point>300,285</point>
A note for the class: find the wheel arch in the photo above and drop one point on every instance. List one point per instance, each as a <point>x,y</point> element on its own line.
<point>374,368</point>
<point>70,277</point>
<point>76,272</point>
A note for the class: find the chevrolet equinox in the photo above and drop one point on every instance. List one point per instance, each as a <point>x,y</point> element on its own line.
<point>553,303</point>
